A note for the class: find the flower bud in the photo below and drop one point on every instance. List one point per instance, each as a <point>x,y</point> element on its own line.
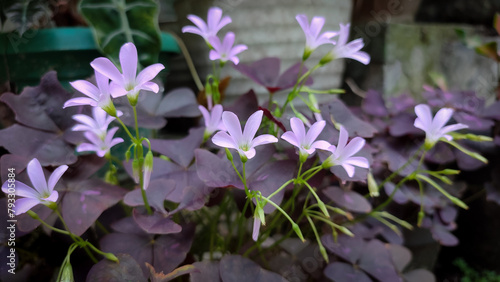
<point>136,170</point>
<point>148,169</point>
<point>67,273</point>
<point>372,186</point>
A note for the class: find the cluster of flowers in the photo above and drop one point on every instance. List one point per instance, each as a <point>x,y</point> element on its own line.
<point>225,124</point>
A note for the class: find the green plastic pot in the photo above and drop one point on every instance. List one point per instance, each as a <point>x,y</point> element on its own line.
<point>68,51</point>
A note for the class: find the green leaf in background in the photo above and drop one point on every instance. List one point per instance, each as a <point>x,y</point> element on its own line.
<point>115,22</point>
<point>496,22</point>
<point>489,50</point>
<point>27,14</point>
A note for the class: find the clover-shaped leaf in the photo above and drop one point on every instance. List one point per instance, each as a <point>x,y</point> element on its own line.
<point>126,270</point>
<point>39,111</point>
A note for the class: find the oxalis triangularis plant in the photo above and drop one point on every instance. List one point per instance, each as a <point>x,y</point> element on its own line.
<point>292,172</point>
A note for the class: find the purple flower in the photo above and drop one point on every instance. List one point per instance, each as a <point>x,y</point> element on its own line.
<point>343,154</point>
<point>129,82</point>
<point>213,25</point>
<point>312,32</point>
<point>256,228</point>
<point>435,128</point>
<point>225,51</point>
<point>244,142</point>
<point>99,145</point>
<point>43,191</point>
<point>97,96</point>
<point>213,119</point>
<point>98,125</point>
<point>349,50</point>
<point>305,141</point>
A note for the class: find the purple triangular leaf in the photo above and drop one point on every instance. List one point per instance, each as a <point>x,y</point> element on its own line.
<point>156,194</point>
<point>126,269</point>
<point>180,151</point>
<point>401,103</point>
<point>373,104</point>
<point>84,201</point>
<point>441,234</point>
<point>238,268</point>
<point>473,121</point>
<point>419,275</point>
<point>49,148</point>
<point>339,112</point>
<point>288,78</point>
<point>402,124</point>
<point>382,267</point>
<point>343,272</point>
<point>401,256</point>
<point>41,107</point>
<point>245,106</point>
<point>215,171</point>
<point>205,271</point>
<point>348,248</point>
<point>157,223</point>
<point>180,102</point>
<point>349,200</point>
<point>264,71</point>
<point>269,178</point>
<point>164,253</point>
<point>9,161</point>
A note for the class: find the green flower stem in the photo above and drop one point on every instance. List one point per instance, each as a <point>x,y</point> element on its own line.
<point>244,180</point>
<point>313,173</point>
<point>132,138</point>
<point>136,122</point>
<point>66,261</point>
<point>108,256</point>
<point>294,225</point>
<point>318,239</point>
<point>298,85</point>
<point>241,229</point>
<point>75,238</point>
<point>213,225</point>
<point>281,188</point>
<point>36,217</point>
<point>318,200</point>
<point>320,217</point>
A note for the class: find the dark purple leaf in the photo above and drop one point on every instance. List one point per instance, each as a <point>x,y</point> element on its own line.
<point>157,223</point>
<point>49,148</point>
<point>180,102</point>
<point>339,112</point>
<point>348,248</point>
<point>448,214</point>
<point>126,270</point>
<point>245,106</point>
<point>289,77</point>
<point>349,200</point>
<point>377,261</point>
<point>156,194</point>
<point>237,268</point>
<point>215,171</point>
<point>419,275</point>
<point>401,103</point>
<point>493,111</point>
<point>343,272</point>
<point>85,167</point>
<point>205,271</point>
<point>401,256</point>
<point>492,192</point>
<point>84,201</point>
<point>180,151</point>
<point>473,121</point>
<point>387,233</point>
<point>441,153</point>
<point>266,72</point>
<point>399,197</point>
<point>153,108</point>
<point>144,119</point>
<point>441,234</point>
<point>269,178</point>
<point>16,162</point>
<point>41,107</point>
<point>164,253</point>
<point>396,155</point>
<point>402,124</point>
<point>27,224</point>
<point>373,104</point>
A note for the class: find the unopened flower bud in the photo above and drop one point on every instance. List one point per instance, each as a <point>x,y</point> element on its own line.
<point>148,169</point>
<point>372,186</point>
<point>136,170</point>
